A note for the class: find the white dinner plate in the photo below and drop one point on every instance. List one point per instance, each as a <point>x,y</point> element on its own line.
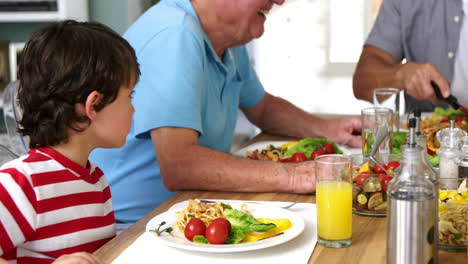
<point>264,144</point>
<point>178,240</point>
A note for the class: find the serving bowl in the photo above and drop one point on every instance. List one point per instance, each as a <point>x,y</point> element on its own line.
<point>370,183</point>
<point>453,214</point>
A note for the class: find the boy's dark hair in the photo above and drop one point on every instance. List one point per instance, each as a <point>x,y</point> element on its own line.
<point>61,64</point>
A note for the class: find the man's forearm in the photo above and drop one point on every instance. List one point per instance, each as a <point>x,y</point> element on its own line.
<point>200,168</point>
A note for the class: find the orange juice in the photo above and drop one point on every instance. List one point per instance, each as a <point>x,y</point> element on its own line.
<point>334,210</point>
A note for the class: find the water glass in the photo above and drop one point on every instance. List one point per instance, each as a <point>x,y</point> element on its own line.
<point>334,200</point>
<point>375,119</point>
<point>389,98</point>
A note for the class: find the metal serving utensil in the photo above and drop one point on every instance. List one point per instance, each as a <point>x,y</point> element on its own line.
<point>287,206</point>
<point>380,134</point>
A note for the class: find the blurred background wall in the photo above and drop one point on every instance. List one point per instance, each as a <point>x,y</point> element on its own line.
<point>117,14</point>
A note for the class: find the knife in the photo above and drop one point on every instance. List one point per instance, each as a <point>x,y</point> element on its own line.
<point>451,100</point>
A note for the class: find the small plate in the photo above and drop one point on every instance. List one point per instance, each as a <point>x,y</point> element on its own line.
<point>178,240</point>
<point>264,144</point>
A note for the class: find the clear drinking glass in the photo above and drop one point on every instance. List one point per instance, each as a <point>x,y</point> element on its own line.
<point>334,193</point>
<point>389,98</point>
<point>373,119</point>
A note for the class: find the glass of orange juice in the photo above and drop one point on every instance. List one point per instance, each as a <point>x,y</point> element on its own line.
<point>334,193</point>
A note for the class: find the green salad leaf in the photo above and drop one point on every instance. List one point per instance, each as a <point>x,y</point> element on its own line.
<point>200,239</point>
<point>242,223</point>
<point>434,160</point>
<point>399,139</point>
<point>309,145</point>
<point>450,112</point>
<point>226,206</point>
<point>236,235</point>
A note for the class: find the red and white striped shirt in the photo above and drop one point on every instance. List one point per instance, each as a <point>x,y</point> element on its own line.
<point>50,206</point>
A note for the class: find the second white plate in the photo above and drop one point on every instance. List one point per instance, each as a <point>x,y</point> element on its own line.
<point>261,145</point>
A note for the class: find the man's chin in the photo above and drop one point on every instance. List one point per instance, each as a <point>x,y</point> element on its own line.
<point>258,33</point>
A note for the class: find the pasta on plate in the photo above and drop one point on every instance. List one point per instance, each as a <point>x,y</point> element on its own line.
<point>206,212</point>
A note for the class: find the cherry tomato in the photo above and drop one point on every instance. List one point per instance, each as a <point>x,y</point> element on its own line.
<point>384,181</point>
<point>195,227</point>
<point>316,153</point>
<point>393,164</point>
<point>223,221</point>
<point>458,119</point>
<point>298,157</point>
<point>285,160</point>
<point>361,178</point>
<point>255,154</point>
<point>329,148</point>
<point>444,121</point>
<point>377,168</point>
<point>463,109</point>
<point>217,232</point>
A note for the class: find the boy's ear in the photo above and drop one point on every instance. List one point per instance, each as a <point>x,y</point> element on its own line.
<point>90,105</point>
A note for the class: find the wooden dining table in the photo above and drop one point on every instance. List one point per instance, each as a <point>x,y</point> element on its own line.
<point>369,239</point>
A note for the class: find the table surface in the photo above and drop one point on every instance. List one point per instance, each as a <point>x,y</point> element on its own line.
<point>369,233</point>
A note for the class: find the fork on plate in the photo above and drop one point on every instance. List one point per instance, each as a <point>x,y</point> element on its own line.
<point>287,206</point>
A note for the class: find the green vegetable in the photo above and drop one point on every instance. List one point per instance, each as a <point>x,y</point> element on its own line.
<point>450,112</point>
<point>246,222</point>
<point>434,160</point>
<point>242,223</point>
<point>309,145</point>
<point>399,139</point>
<point>235,236</point>
<point>200,239</point>
<point>362,198</point>
<point>226,206</point>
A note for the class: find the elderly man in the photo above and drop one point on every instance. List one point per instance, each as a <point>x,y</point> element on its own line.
<point>195,75</point>
<point>432,36</point>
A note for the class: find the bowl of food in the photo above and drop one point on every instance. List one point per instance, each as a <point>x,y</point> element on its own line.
<point>453,214</point>
<point>370,183</point>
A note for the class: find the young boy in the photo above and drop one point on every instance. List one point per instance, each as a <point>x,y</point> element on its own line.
<point>75,94</point>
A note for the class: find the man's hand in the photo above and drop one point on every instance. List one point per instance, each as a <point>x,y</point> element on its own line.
<point>78,258</point>
<point>416,79</point>
<point>343,131</point>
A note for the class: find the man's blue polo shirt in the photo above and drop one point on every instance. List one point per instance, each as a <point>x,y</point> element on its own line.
<point>183,84</point>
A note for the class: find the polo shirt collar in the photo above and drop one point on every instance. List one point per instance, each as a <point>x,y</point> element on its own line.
<point>229,65</point>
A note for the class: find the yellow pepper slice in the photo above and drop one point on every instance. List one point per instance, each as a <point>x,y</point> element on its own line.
<point>452,194</point>
<point>461,201</point>
<point>282,224</point>
<point>443,195</point>
<point>289,144</point>
<point>442,207</point>
<point>432,149</point>
<point>365,167</point>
